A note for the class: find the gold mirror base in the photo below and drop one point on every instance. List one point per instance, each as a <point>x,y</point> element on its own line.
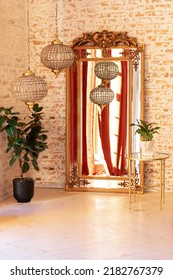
<point>75,180</point>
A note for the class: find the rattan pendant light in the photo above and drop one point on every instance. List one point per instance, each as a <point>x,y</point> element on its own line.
<point>57,56</point>
<point>29,88</point>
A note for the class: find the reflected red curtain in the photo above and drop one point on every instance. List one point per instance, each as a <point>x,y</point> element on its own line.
<point>105,137</point>
<point>120,168</point>
<point>105,134</point>
<point>85,169</point>
<point>73,114</point>
<point>122,134</point>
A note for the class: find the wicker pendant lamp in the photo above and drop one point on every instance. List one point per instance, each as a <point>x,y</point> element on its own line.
<point>57,56</point>
<point>29,88</point>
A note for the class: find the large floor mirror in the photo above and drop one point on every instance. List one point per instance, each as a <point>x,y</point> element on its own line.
<point>98,133</point>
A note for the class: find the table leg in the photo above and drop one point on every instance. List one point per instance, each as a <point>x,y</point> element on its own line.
<point>162,198</point>
<point>162,183</point>
<point>130,182</point>
<point>134,179</point>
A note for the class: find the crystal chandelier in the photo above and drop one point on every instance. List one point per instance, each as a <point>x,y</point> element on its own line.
<point>101,95</point>
<point>57,56</point>
<point>29,88</point>
<point>106,70</point>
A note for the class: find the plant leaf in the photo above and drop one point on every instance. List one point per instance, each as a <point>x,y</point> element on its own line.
<point>25,157</point>
<point>17,149</point>
<point>10,145</point>
<point>36,108</point>
<point>10,130</point>
<point>19,141</point>
<point>25,167</point>
<point>2,120</point>
<point>12,161</point>
<point>35,165</point>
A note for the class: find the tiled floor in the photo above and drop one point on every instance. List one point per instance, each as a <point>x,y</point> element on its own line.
<point>63,225</point>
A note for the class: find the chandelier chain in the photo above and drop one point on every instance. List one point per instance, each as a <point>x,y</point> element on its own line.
<point>56,18</point>
<point>28,39</point>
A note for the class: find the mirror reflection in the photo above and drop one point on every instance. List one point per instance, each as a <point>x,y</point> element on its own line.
<point>98,132</point>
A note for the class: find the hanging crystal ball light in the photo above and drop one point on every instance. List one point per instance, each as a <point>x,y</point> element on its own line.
<point>29,88</point>
<point>57,56</point>
<point>107,70</point>
<point>101,95</point>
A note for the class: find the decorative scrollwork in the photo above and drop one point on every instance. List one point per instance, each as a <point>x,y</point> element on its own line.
<point>75,180</point>
<point>133,55</point>
<point>125,183</point>
<point>105,39</point>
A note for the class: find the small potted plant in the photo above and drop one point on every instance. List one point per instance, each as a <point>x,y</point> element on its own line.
<point>146,132</point>
<point>25,140</point>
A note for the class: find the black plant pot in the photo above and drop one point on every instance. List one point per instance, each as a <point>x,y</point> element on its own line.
<point>23,189</point>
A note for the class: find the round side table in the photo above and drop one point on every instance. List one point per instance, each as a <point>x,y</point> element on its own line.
<point>137,157</point>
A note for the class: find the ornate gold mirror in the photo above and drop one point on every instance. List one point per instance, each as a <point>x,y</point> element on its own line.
<point>98,133</point>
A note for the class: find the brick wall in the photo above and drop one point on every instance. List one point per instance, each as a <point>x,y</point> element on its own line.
<point>151,21</point>
<point>12,64</point>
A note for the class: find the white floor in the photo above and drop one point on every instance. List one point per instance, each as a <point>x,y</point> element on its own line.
<point>63,225</point>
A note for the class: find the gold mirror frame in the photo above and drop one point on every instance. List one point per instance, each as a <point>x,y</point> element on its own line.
<point>128,50</point>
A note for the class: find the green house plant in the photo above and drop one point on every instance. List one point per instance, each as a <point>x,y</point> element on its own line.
<point>146,132</point>
<point>25,141</point>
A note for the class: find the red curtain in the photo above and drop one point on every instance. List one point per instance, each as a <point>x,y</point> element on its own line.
<point>122,134</point>
<point>85,169</point>
<point>105,137</point>
<point>120,168</point>
<point>73,114</point>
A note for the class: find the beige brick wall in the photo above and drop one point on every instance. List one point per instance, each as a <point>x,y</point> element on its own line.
<point>151,21</point>
<point>12,64</point>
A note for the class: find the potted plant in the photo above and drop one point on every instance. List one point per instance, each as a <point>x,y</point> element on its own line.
<point>146,132</point>
<point>25,141</point>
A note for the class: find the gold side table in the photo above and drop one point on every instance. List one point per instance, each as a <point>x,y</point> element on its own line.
<point>137,157</point>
